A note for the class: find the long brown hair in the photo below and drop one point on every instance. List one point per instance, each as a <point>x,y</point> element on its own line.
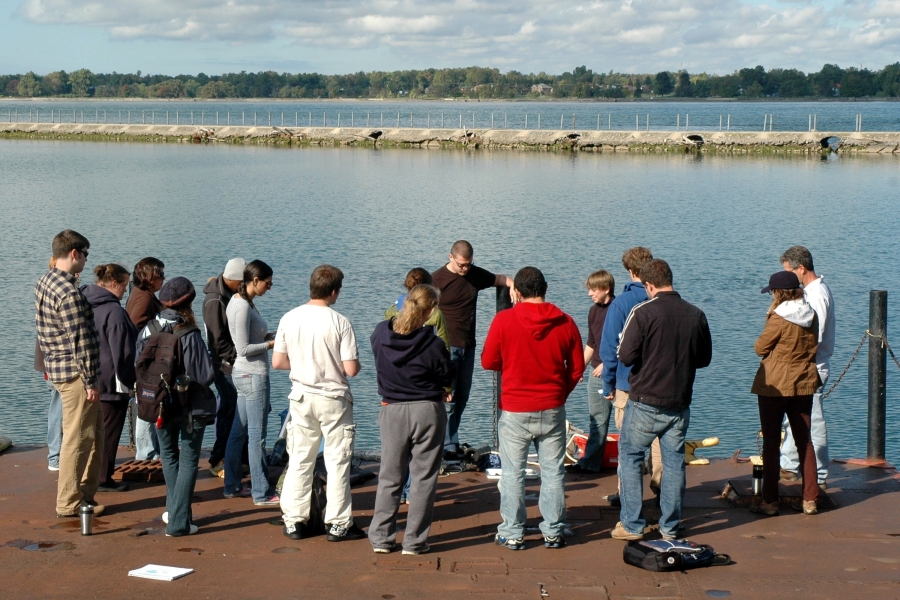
<point>779,296</point>
<point>416,308</point>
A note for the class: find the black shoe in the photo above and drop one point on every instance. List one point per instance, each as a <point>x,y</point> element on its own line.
<point>614,500</point>
<point>112,486</point>
<point>294,531</point>
<point>339,533</point>
<point>579,470</point>
<point>451,456</point>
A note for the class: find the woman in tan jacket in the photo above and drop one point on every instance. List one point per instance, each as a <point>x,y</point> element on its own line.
<point>785,383</point>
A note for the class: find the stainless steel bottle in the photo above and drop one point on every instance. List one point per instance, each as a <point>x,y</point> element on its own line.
<point>87,519</point>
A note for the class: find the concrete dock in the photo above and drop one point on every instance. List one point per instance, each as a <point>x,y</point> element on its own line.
<point>733,142</point>
<point>851,550</point>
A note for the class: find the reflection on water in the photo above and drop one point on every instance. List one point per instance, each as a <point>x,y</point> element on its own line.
<point>721,223</point>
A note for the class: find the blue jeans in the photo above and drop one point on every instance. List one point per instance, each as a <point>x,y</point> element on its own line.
<point>547,430</point>
<point>599,408</point>
<point>54,426</point>
<point>180,453</point>
<point>640,426</point>
<point>790,459</point>
<point>251,419</point>
<point>145,440</point>
<point>227,400</point>
<point>464,361</point>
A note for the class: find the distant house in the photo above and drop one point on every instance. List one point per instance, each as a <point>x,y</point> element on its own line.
<point>542,88</point>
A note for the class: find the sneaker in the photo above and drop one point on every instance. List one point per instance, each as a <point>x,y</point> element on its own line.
<point>218,469</point>
<point>764,508</point>
<point>620,533</point>
<point>387,550</point>
<point>614,500</point>
<point>451,457</point>
<point>810,507</point>
<point>272,500</point>
<point>404,500</point>
<point>293,531</point>
<point>516,544</point>
<point>193,529</point>
<point>165,517</point>
<point>53,467</point>
<point>554,542</point>
<point>788,475</point>
<point>823,486</point>
<point>244,492</point>
<point>112,486</point>
<point>340,533</point>
<point>417,551</point>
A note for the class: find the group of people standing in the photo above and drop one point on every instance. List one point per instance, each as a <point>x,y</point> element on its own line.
<point>644,347</point>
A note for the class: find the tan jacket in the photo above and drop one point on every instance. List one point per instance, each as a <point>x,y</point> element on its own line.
<point>788,366</point>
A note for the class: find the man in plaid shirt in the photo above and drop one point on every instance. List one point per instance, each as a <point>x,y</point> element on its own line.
<point>71,347</point>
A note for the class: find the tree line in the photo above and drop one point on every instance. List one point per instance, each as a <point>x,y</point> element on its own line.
<point>471,82</point>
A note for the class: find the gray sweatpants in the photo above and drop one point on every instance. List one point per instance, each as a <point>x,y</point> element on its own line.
<point>412,434</point>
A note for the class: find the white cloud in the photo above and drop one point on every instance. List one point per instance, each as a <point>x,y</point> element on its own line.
<point>530,35</point>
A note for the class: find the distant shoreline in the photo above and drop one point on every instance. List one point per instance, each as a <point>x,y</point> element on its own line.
<point>666,100</point>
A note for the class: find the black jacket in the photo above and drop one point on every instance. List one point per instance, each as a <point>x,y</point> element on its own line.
<point>415,366</point>
<point>218,337</point>
<point>117,341</point>
<point>666,340</point>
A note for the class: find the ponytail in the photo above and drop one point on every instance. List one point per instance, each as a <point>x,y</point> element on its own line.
<point>417,307</point>
<point>111,273</point>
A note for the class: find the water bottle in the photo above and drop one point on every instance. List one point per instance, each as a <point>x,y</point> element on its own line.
<point>757,479</point>
<point>87,519</point>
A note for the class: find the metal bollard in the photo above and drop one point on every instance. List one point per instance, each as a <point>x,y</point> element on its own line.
<point>503,302</point>
<point>877,367</point>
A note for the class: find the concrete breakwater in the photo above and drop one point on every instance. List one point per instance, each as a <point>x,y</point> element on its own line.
<point>516,139</point>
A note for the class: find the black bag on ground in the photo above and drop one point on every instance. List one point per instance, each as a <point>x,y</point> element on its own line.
<point>156,369</point>
<point>675,555</point>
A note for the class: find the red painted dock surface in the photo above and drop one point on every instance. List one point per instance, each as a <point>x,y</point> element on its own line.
<point>852,551</point>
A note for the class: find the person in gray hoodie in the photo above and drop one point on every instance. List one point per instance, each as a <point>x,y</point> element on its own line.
<point>413,369</point>
<point>218,292</point>
<point>117,343</point>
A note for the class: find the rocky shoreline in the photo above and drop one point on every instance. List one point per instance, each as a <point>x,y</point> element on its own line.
<point>509,139</point>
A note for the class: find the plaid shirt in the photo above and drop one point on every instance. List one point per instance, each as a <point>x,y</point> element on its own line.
<point>65,329</point>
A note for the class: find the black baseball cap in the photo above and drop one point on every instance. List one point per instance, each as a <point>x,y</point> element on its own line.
<point>782,280</point>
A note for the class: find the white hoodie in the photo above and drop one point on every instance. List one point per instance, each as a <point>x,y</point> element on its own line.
<point>798,312</point>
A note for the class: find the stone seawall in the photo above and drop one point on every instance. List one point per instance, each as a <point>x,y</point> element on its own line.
<point>565,140</point>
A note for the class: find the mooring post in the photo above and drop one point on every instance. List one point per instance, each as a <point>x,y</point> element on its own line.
<point>877,367</point>
<point>503,302</point>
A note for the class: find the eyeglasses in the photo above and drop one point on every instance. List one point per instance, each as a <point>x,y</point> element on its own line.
<point>85,252</point>
<point>462,266</point>
<point>268,283</point>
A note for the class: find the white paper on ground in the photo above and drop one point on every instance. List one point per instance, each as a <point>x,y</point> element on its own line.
<point>160,572</point>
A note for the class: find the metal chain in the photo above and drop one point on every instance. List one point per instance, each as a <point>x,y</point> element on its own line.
<point>889,349</point>
<point>849,364</point>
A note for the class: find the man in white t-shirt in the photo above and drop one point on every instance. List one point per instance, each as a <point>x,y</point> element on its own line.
<point>799,261</point>
<point>317,345</point>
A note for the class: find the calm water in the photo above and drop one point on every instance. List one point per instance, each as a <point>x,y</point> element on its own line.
<point>721,222</point>
<point>667,115</point>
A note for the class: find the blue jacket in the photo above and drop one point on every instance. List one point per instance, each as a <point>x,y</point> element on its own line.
<point>615,374</point>
<point>410,367</point>
<point>117,342</point>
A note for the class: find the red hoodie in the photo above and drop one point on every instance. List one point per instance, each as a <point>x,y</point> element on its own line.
<point>537,349</point>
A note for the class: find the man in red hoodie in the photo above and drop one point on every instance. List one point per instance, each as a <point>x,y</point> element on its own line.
<point>537,349</point>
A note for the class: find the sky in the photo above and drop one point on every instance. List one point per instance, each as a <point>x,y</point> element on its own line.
<point>342,36</point>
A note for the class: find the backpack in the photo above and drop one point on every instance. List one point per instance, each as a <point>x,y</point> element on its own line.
<point>675,555</point>
<point>156,369</point>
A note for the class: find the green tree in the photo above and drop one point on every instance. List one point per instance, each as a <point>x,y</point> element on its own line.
<point>55,83</point>
<point>81,82</point>
<point>664,84</point>
<point>684,88</point>
<point>29,85</point>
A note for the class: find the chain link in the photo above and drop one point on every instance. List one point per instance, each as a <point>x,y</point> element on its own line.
<point>849,364</point>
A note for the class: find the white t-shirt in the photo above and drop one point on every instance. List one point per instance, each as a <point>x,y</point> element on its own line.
<point>819,297</point>
<point>317,339</point>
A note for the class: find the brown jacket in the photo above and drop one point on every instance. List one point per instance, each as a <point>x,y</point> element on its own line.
<point>788,367</point>
<point>142,306</point>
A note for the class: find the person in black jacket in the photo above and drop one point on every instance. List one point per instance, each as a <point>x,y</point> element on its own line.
<point>218,292</point>
<point>117,342</point>
<point>665,340</point>
<point>413,367</point>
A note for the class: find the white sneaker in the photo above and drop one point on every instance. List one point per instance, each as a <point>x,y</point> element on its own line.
<point>166,517</point>
<point>194,529</point>
<point>52,468</point>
